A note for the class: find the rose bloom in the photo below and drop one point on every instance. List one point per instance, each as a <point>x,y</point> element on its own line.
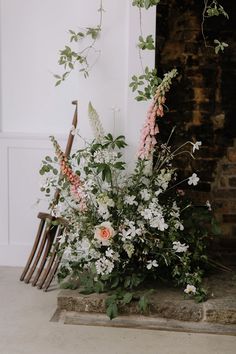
<point>104,232</point>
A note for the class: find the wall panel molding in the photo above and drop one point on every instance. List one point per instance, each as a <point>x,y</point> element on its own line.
<point>20,160</point>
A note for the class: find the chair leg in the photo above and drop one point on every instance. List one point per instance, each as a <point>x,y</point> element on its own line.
<point>50,238</point>
<point>33,251</point>
<point>52,273</point>
<point>39,253</point>
<point>51,259</point>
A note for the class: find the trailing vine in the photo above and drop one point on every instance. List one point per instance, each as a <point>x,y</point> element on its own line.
<point>146,83</point>
<point>212,9</point>
<point>69,58</point>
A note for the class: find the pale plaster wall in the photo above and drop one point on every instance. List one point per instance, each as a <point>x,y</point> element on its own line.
<point>31,34</point>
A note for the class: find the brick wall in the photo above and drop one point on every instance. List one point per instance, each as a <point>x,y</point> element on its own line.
<point>202,101</point>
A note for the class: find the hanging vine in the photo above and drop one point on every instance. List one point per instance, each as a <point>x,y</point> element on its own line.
<point>212,9</point>
<point>145,84</point>
<point>68,57</point>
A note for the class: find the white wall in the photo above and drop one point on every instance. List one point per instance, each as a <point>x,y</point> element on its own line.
<point>32,32</point>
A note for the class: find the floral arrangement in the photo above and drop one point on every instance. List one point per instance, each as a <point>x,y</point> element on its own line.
<point>126,230</point>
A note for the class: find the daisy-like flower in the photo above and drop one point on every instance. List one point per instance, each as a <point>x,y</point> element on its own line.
<point>151,264</point>
<point>196,145</point>
<point>147,214</point>
<point>104,266</point>
<point>179,226</point>
<point>145,195</point>
<point>109,253</point>
<point>194,179</point>
<point>190,289</point>
<point>179,247</point>
<point>159,222</point>
<point>130,200</point>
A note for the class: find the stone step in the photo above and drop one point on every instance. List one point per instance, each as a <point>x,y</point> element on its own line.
<point>166,304</point>
<point>143,322</point>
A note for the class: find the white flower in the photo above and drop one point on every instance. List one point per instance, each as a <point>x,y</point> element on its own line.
<point>190,289</point>
<point>145,194</point>
<point>105,186</point>
<point>73,130</point>
<point>83,247</point>
<point>103,199</point>
<point>94,254</point>
<point>179,247</point>
<point>196,145</point>
<point>164,178</point>
<point>158,192</point>
<point>145,180</point>
<point>208,204</point>
<point>131,232</point>
<point>104,232</point>
<point>193,179</point>
<point>103,211</point>
<point>130,200</point>
<point>105,156</point>
<point>112,254</point>
<point>104,266</point>
<point>147,214</point>
<point>151,264</point>
<point>159,222</point>
<point>95,122</point>
<point>179,226</point>
<point>109,253</point>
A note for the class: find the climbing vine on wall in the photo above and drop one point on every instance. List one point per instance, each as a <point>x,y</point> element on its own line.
<point>144,84</point>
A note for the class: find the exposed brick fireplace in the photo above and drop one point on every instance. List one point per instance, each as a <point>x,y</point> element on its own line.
<point>202,101</point>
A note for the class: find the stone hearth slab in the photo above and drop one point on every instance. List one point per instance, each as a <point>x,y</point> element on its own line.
<point>142,322</point>
<point>216,315</point>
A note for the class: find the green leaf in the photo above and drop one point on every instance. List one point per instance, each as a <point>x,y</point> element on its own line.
<point>115,283</point>
<point>127,298</point>
<point>147,4</point>
<point>112,311</point>
<point>143,303</point>
<point>108,175</point>
<point>111,299</point>
<point>119,165</point>
<point>99,287</point>
<point>127,282</point>
<point>48,158</point>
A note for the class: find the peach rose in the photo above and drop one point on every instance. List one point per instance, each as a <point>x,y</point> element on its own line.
<point>104,232</point>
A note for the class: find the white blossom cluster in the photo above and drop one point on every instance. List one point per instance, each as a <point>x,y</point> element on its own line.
<point>128,219</point>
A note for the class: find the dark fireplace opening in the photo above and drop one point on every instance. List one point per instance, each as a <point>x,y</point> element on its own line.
<point>202,101</point>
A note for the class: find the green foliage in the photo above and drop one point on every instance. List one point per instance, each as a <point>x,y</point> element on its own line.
<point>110,142</point>
<point>143,304</point>
<point>220,46</point>
<point>201,295</point>
<point>69,58</point>
<point>211,10</point>
<point>145,3</point>
<point>145,84</point>
<point>147,43</point>
<point>215,9</point>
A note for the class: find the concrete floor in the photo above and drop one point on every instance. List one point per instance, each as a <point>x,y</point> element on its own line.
<point>25,329</point>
